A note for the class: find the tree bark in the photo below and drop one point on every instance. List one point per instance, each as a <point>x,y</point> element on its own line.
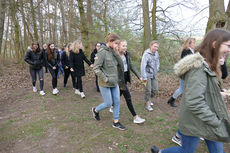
<point>34,20</point>
<point>105,17</point>
<point>147,31</point>
<point>55,24</point>
<point>70,21</point>
<point>40,18</point>
<point>63,22</point>
<point>84,27</point>
<point>6,36</point>
<point>90,24</point>
<point>2,21</point>
<point>217,17</point>
<point>24,25</point>
<point>154,25</point>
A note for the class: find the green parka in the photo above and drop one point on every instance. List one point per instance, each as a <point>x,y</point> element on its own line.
<point>108,67</point>
<point>203,112</point>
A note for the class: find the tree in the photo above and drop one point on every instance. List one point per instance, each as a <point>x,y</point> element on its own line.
<point>34,20</point>
<point>154,24</point>
<point>2,20</point>
<point>147,31</point>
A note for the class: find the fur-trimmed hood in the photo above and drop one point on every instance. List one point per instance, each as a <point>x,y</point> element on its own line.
<point>187,63</point>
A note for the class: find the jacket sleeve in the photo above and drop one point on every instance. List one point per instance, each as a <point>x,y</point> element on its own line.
<point>92,56</point>
<point>71,64</point>
<point>143,67</point>
<point>158,61</point>
<point>98,64</point>
<point>85,59</point>
<point>224,70</point>
<point>58,59</point>
<point>120,70</point>
<point>28,58</point>
<point>133,69</point>
<point>194,94</point>
<point>63,59</point>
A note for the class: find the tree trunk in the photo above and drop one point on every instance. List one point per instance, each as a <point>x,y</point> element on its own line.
<point>25,42</point>
<point>147,31</point>
<point>154,25</point>
<point>90,24</point>
<point>217,17</point>
<point>6,36</point>
<point>40,18</point>
<point>105,17</point>
<point>84,28</point>
<point>2,21</point>
<point>34,20</point>
<point>70,19</point>
<point>49,24</point>
<point>13,9</point>
<point>55,24</point>
<point>63,22</point>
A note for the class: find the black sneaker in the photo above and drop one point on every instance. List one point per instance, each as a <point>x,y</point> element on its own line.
<point>119,126</point>
<point>95,114</point>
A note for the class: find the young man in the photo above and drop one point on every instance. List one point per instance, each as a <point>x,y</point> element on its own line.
<point>149,67</point>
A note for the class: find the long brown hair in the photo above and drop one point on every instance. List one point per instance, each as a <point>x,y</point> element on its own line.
<point>111,37</point>
<point>49,52</point>
<point>211,54</point>
<point>187,43</point>
<point>38,50</point>
<point>68,49</point>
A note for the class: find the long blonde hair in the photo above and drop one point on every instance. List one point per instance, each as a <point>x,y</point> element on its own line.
<point>187,44</point>
<point>68,48</point>
<point>75,47</point>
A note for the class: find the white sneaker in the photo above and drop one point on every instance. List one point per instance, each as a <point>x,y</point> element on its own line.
<point>111,109</point>
<point>35,89</point>
<point>149,108</point>
<point>42,93</point>
<point>82,94</point>
<point>55,91</point>
<point>77,92</point>
<point>151,103</point>
<point>138,120</point>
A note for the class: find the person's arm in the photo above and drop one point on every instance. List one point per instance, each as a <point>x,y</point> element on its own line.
<point>194,97</point>
<point>63,59</point>
<point>158,61</point>
<point>85,59</point>
<point>92,56</point>
<point>98,64</point>
<point>133,68</point>
<point>28,58</point>
<point>143,67</point>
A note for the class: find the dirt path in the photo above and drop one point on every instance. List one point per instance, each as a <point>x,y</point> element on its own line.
<point>64,123</point>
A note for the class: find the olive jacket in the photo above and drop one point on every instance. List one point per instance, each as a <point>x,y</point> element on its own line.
<point>203,112</point>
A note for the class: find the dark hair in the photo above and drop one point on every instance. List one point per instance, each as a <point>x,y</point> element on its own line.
<point>49,52</point>
<point>38,49</point>
<point>111,37</point>
<point>210,53</point>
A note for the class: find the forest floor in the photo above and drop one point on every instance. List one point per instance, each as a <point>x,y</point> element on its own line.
<point>30,123</point>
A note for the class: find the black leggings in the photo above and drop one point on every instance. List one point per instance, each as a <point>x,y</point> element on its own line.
<point>33,73</point>
<point>79,83</point>
<point>125,92</point>
<point>54,77</point>
<point>67,72</point>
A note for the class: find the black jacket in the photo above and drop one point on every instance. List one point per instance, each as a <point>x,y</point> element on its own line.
<point>224,70</point>
<point>76,62</point>
<point>93,55</point>
<point>53,62</point>
<point>185,52</point>
<point>65,60</point>
<point>130,67</point>
<point>35,59</point>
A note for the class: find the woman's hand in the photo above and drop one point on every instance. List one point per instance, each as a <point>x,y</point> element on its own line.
<point>66,67</point>
<point>54,68</point>
<point>71,70</point>
<point>91,65</point>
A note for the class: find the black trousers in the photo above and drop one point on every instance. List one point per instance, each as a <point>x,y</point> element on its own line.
<point>54,74</point>
<point>125,92</point>
<point>79,83</point>
<point>67,72</point>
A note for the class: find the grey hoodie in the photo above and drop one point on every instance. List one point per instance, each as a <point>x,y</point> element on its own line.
<point>149,64</point>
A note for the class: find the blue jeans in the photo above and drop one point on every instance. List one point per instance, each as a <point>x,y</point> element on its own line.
<point>190,143</point>
<point>111,95</point>
<point>179,91</point>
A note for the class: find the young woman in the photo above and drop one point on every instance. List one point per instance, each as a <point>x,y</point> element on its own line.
<point>188,48</point>
<point>92,59</point>
<point>76,59</point>
<point>35,58</point>
<point>52,59</point>
<point>107,64</point>
<point>203,112</point>
<point>66,66</point>
<point>128,66</point>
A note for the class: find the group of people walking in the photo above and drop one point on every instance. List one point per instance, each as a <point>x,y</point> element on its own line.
<point>203,112</point>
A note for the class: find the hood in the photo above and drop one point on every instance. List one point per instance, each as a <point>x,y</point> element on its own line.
<point>104,48</point>
<point>187,63</point>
